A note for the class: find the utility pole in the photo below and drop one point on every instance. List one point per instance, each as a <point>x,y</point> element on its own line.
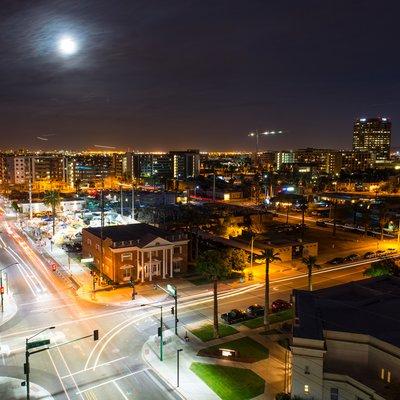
<point>133,200</point>
<point>122,202</point>
<point>101,227</point>
<point>30,189</point>
<point>213,188</point>
<point>257,135</point>
<point>252,251</point>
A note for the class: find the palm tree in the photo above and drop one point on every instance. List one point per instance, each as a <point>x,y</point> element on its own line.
<point>52,198</point>
<point>214,265</point>
<point>303,208</point>
<point>269,256</point>
<point>311,263</point>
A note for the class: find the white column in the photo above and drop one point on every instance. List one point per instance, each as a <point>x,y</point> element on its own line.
<point>151,267</point>
<point>172,264</point>
<point>142,265</point>
<point>164,260</point>
<point>137,264</point>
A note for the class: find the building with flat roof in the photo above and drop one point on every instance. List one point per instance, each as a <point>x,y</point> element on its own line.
<point>140,251</point>
<point>346,341</point>
<point>374,135</point>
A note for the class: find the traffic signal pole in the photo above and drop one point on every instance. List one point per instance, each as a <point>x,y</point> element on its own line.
<point>172,291</point>
<point>41,343</point>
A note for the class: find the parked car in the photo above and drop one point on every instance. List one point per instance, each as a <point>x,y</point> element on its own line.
<point>280,305</point>
<point>321,223</point>
<point>391,250</point>
<point>351,257</point>
<point>234,316</point>
<point>369,254</point>
<point>336,261</point>
<point>254,311</point>
<point>380,253</point>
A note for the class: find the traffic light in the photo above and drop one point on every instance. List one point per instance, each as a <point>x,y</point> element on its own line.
<point>96,334</point>
<point>1,289</point>
<point>159,331</point>
<point>54,266</point>
<point>172,310</point>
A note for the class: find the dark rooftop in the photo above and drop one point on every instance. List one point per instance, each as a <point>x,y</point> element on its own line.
<point>137,234</point>
<point>370,307</point>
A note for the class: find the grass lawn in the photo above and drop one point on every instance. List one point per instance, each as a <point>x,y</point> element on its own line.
<point>230,383</point>
<point>247,348</point>
<point>206,332</point>
<point>273,318</point>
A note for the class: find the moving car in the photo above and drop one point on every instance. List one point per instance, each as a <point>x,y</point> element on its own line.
<point>254,311</point>
<point>351,257</point>
<point>336,261</point>
<point>369,254</point>
<point>280,305</point>
<point>234,316</point>
<point>321,223</point>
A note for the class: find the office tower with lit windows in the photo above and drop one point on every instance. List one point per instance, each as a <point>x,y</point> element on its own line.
<point>373,135</point>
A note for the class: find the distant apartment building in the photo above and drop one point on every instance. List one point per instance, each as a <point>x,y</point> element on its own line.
<point>185,164</point>
<point>22,169</point>
<point>284,157</point>
<point>373,135</point>
<point>357,160</point>
<point>346,341</point>
<point>147,165</point>
<point>135,251</point>
<point>323,160</point>
<point>91,168</point>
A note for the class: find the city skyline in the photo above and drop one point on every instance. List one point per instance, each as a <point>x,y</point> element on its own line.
<point>150,75</point>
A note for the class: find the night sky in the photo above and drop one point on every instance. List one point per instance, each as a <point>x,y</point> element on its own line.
<point>169,74</point>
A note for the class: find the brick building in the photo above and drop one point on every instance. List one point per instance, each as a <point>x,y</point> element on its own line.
<point>138,250</point>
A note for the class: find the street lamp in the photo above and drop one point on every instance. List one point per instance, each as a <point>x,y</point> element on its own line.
<point>1,285</point>
<point>160,328</point>
<point>257,135</point>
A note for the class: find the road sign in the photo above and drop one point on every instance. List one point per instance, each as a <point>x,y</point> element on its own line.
<point>171,289</point>
<point>37,343</point>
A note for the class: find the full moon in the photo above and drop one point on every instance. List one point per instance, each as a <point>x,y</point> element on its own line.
<point>67,45</point>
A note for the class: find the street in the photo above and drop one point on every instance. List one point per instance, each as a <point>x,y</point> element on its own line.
<point>111,368</point>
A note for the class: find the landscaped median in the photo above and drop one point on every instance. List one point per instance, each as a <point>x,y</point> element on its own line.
<point>230,383</point>
<point>280,316</point>
<point>244,349</point>
<point>206,332</point>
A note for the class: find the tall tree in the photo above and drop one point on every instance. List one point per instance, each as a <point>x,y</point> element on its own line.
<point>303,208</point>
<point>383,217</point>
<point>52,199</point>
<point>214,265</point>
<point>237,259</point>
<point>311,264</point>
<point>270,257</point>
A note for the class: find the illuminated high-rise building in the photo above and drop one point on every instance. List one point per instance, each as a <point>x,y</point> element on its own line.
<point>373,135</point>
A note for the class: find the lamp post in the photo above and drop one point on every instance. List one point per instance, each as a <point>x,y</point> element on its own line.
<point>177,366</point>
<point>1,285</point>
<point>160,328</point>
<point>257,135</point>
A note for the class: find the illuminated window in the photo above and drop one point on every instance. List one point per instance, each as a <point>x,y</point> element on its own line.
<point>383,373</point>
<point>389,377</point>
<point>306,389</point>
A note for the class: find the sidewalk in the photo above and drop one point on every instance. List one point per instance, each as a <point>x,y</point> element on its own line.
<point>10,309</point>
<point>11,389</point>
<point>191,386</point>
